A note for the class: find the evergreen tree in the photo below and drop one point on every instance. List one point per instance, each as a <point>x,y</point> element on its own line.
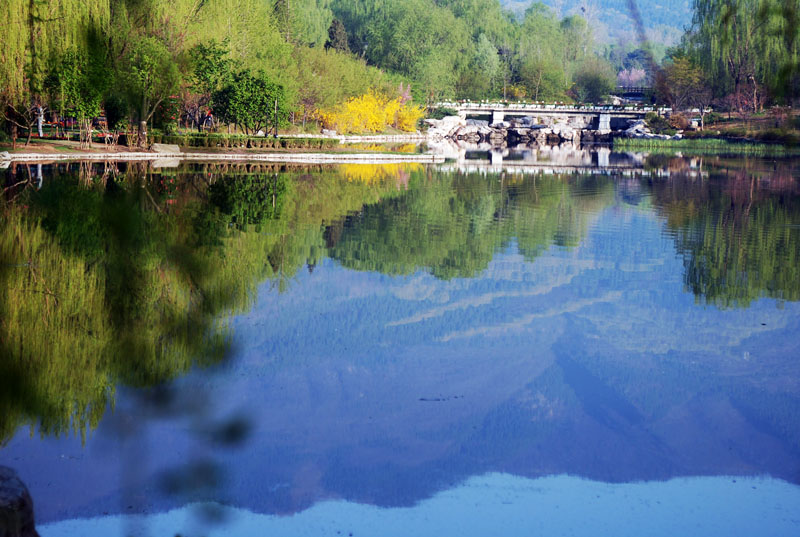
<point>337,37</point>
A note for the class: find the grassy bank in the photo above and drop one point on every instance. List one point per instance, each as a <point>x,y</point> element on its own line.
<point>704,146</point>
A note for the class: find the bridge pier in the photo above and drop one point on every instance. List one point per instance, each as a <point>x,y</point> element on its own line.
<point>498,116</point>
<point>605,122</point>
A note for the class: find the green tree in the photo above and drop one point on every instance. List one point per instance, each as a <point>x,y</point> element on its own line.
<point>211,68</point>
<point>682,79</point>
<point>543,78</point>
<point>577,43</point>
<point>80,81</point>
<point>418,39</point>
<point>594,80</point>
<point>337,37</point>
<point>785,15</point>
<point>310,21</point>
<point>743,45</point>
<point>252,101</point>
<point>150,75</point>
<point>330,77</point>
<point>487,62</point>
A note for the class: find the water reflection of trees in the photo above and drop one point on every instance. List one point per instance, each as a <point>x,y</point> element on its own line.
<point>121,274</point>
<point>737,232</point>
<point>453,224</point>
<point>123,277</point>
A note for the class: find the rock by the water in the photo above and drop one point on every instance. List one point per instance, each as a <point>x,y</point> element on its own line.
<point>524,121</point>
<point>168,149</point>
<point>523,130</point>
<point>446,127</point>
<point>638,129</point>
<point>596,136</point>
<point>16,506</point>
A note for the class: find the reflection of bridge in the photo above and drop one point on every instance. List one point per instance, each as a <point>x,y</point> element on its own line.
<point>586,116</point>
<point>562,159</point>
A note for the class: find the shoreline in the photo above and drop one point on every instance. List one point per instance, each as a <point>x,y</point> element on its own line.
<point>304,158</point>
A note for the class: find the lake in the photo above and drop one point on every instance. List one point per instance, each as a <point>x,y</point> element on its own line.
<point>560,344</point>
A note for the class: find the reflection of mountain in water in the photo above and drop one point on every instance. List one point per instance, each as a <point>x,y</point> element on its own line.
<point>529,325</point>
<point>589,362</point>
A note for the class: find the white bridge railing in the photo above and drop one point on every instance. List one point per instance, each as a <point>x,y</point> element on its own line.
<point>489,106</point>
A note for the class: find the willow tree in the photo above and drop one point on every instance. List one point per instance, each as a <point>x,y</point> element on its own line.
<point>34,32</point>
<point>741,44</point>
<point>785,25</point>
<point>79,81</point>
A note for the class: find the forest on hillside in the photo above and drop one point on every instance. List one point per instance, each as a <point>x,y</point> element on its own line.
<point>664,20</point>
<point>362,65</point>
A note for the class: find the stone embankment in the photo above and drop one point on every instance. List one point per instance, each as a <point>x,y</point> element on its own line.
<point>174,158</point>
<point>523,130</point>
<point>516,131</point>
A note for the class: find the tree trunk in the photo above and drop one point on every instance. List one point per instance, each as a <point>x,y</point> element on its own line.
<point>88,126</point>
<point>142,142</point>
<point>276,118</point>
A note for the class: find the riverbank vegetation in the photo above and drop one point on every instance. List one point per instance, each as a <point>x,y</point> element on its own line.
<point>252,66</point>
<point>741,58</point>
<point>257,66</point>
<point>703,146</point>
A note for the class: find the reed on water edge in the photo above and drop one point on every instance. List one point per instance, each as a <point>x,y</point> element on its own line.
<point>703,146</point>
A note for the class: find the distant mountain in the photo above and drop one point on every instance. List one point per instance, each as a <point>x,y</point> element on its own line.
<point>665,20</point>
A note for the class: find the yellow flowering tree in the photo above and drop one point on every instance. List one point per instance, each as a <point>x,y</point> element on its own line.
<point>371,112</point>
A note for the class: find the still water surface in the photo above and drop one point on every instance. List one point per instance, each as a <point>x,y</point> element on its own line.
<point>405,350</point>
